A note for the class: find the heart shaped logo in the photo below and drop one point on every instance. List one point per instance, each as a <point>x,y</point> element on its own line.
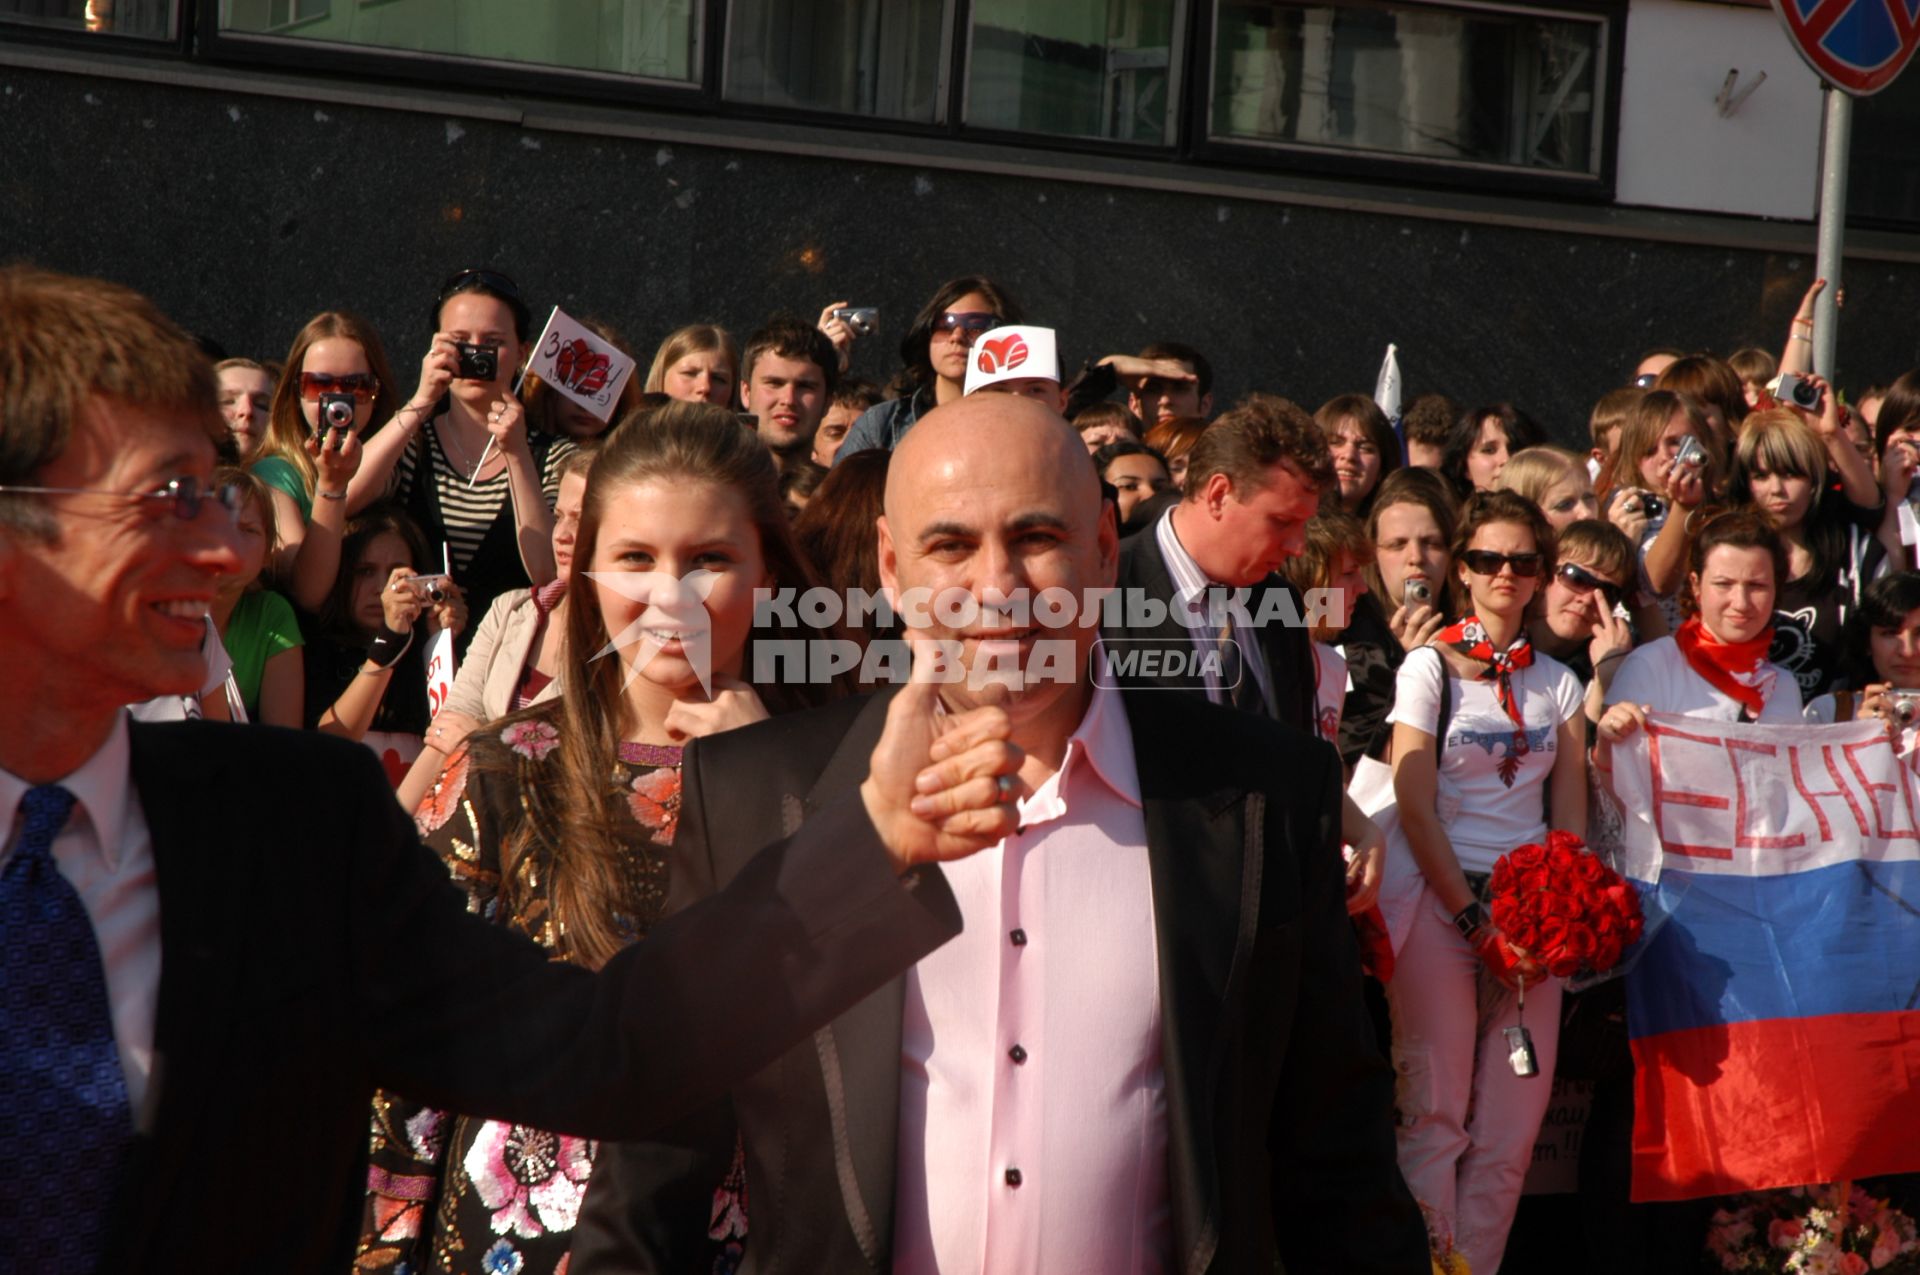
<point>581,368</point>
<point>1856,45</point>
<point>1003,354</point>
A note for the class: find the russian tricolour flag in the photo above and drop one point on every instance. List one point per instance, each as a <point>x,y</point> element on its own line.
<point>1774,1006</point>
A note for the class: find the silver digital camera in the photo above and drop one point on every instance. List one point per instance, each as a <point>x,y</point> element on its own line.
<point>864,320</point>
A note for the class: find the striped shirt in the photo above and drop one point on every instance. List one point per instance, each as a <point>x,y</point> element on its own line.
<point>467,511</point>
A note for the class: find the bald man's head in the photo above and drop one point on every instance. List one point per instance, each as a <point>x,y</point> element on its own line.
<point>995,496</point>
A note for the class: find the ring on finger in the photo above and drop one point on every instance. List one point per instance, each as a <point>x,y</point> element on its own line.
<point>1005,784</point>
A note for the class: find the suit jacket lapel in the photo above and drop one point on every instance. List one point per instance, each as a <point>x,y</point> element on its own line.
<point>197,971</point>
<point>859,1052</point>
<point>1204,855</point>
<point>1150,575</point>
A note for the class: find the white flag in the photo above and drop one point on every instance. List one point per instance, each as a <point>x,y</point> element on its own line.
<point>580,365</point>
<point>439,671</point>
<point>1386,390</point>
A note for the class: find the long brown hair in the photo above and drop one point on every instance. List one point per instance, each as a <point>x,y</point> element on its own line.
<point>286,426</point>
<point>680,443</point>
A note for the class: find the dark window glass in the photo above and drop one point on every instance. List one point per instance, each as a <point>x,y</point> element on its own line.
<point>1075,68</point>
<point>145,19</point>
<point>1883,182</point>
<point>645,39</point>
<point>882,58</point>
<point>1474,86</point>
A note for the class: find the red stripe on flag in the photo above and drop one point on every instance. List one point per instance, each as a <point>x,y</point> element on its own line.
<point>1778,1102</point>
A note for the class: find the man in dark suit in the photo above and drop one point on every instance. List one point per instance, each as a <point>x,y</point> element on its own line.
<point>219,940</point>
<point>1148,1051</point>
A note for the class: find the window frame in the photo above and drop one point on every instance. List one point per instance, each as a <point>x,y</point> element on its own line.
<point>1388,167</point>
<point>494,74</point>
<point>176,46</point>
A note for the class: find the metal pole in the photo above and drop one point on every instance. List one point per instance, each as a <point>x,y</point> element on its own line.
<point>1835,141</point>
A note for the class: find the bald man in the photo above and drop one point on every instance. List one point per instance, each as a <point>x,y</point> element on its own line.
<point>1146,1051</point>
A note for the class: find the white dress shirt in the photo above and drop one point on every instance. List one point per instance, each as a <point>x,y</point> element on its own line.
<point>106,853</point>
<point>1033,1131</point>
<point>1190,585</point>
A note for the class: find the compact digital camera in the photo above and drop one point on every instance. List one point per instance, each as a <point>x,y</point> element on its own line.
<point>1691,454</point>
<point>336,412</point>
<point>1804,395</point>
<point>1416,593</point>
<point>864,320</point>
<point>477,362</point>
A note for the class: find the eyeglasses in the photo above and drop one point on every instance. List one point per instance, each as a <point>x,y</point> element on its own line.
<point>965,325</point>
<point>1581,580</point>
<point>1485,562</point>
<point>492,280</point>
<point>362,385</point>
<point>186,495</point>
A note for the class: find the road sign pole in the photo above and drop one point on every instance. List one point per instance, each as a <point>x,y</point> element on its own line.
<point>1835,142</point>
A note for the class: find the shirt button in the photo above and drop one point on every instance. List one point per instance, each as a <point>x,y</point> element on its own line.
<point>1019,938</point>
<point>1013,1177</point>
<point>1018,1053</point>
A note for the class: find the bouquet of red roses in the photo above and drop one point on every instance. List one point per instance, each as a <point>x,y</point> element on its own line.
<point>1563,907</point>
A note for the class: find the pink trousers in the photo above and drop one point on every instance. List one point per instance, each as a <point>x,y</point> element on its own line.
<point>1467,1122</point>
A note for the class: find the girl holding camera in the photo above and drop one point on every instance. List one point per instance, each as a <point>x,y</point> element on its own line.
<point>1880,654</point>
<point>335,390</point>
<point>1664,470</point>
<point>459,457</point>
<point>366,673</point>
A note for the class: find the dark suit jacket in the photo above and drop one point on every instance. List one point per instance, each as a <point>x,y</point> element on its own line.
<point>1288,649</point>
<point>312,949</point>
<point>1279,1108</point>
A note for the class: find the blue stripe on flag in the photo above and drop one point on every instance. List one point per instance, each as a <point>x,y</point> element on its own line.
<point>1843,939</point>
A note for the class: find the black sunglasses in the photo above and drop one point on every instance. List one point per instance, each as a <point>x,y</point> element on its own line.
<point>492,280</point>
<point>968,324</point>
<point>1485,562</point>
<point>1581,580</point>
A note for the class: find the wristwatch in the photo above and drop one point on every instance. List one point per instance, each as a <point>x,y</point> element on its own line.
<point>1470,918</point>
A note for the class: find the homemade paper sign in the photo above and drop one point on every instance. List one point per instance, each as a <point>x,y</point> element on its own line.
<point>1772,1006</point>
<point>439,671</point>
<point>580,365</point>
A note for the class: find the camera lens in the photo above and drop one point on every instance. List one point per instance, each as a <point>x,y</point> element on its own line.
<point>338,414</point>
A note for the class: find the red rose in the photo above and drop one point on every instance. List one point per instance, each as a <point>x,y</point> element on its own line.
<point>1582,944</point>
<point>1502,875</point>
<point>1553,936</point>
<point>1558,839</point>
<point>1606,955</point>
<point>1522,933</point>
<point>1591,870</point>
<point>1536,881</point>
<point>1527,858</point>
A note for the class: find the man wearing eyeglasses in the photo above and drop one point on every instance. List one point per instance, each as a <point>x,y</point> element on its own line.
<point>186,996</point>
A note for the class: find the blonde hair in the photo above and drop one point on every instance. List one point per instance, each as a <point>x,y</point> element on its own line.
<point>1641,434</point>
<point>287,425</point>
<point>695,338</point>
<point>1535,471</point>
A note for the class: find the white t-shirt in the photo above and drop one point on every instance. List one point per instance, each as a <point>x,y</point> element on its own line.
<point>1657,674</point>
<point>1329,690</point>
<point>1485,812</point>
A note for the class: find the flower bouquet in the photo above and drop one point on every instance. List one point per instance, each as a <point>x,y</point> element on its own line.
<point>1559,905</point>
<point>1836,1229</point>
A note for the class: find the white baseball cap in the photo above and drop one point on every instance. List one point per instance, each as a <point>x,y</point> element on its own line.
<point>1014,353</point>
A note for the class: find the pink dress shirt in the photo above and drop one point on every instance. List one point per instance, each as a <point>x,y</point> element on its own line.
<point>106,853</point>
<point>1033,1131</point>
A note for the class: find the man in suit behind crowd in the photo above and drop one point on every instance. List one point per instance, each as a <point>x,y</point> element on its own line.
<point>1147,1051</point>
<point>218,940</point>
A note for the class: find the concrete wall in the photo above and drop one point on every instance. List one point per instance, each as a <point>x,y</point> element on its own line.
<point>245,214</point>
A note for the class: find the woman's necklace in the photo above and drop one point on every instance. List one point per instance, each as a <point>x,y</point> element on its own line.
<point>444,428</point>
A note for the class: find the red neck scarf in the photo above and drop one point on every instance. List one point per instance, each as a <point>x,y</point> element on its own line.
<point>1469,637</point>
<point>1738,669</point>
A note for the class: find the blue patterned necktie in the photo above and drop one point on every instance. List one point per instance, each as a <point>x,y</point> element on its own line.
<point>64,1118</point>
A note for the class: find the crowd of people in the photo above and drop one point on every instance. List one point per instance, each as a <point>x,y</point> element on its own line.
<point>1228,991</point>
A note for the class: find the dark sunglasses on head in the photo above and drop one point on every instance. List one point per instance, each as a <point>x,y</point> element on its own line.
<point>492,280</point>
<point>362,385</point>
<point>1485,562</point>
<point>1581,580</point>
<point>967,324</point>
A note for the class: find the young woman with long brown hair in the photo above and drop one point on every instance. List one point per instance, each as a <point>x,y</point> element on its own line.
<point>555,820</point>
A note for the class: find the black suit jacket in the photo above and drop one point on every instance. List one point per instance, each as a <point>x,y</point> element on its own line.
<point>312,949</point>
<point>1279,1108</point>
<point>1288,648</point>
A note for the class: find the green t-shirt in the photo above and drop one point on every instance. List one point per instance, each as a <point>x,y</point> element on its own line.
<point>262,626</point>
<point>278,471</point>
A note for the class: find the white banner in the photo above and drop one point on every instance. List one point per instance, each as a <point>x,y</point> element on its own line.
<point>1725,798</point>
<point>580,365</point>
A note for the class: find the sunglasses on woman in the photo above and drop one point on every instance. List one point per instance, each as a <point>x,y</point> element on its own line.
<point>965,325</point>
<point>1485,562</point>
<point>362,385</point>
<point>1581,580</point>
